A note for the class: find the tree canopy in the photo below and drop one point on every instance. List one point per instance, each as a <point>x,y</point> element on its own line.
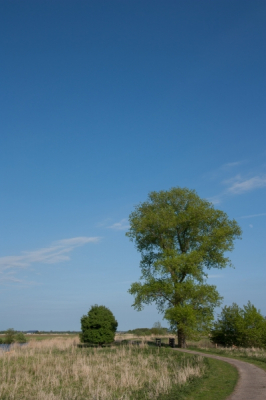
<point>180,236</point>
<point>155,330</point>
<point>98,326</point>
<point>244,327</point>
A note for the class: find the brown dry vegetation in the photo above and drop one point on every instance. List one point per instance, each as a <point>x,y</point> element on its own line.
<point>131,336</point>
<point>252,353</point>
<point>246,352</point>
<point>56,369</point>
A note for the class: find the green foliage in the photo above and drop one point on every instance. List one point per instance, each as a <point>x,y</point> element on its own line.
<point>10,335</point>
<point>180,236</point>
<point>98,326</point>
<point>218,383</point>
<point>240,327</point>
<point>155,330</point>
<point>20,338</point>
<point>140,331</point>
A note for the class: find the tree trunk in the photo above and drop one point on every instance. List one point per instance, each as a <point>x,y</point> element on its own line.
<point>181,339</point>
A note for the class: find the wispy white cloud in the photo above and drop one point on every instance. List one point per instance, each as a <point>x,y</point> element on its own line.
<point>215,199</point>
<point>5,278</point>
<point>103,223</point>
<point>239,185</point>
<point>55,253</point>
<point>215,276</point>
<point>254,215</point>
<point>230,165</point>
<point>120,226</point>
<point>77,241</point>
<point>219,172</point>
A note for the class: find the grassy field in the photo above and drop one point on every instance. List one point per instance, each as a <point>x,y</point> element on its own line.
<point>52,367</point>
<point>56,369</point>
<point>48,336</point>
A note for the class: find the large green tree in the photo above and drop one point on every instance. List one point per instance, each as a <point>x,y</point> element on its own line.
<point>98,326</point>
<point>180,236</point>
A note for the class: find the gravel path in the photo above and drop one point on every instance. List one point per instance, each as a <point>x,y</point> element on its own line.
<point>251,384</point>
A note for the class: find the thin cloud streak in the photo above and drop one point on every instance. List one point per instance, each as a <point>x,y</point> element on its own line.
<point>254,215</point>
<point>103,223</point>
<point>10,279</point>
<point>237,186</point>
<point>215,200</point>
<point>231,165</point>
<point>223,169</point>
<point>120,226</point>
<point>242,186</point>
<point>57,252</point>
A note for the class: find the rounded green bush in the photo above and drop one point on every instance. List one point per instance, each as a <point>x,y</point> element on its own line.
<point>20,337</point>
<point>98,326</point>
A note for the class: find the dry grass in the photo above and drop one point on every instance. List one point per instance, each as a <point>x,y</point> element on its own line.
<point>144,339</point>
<point>202,343</point>
<point>251,352</point>
<point>56,369</point>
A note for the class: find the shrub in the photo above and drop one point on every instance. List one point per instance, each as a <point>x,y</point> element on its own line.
<point>157,329</point>
<point>98,326</point>
<point>9,336</point>
<point>140,331</point>
<point>240,327</point>
<point>20,338</point>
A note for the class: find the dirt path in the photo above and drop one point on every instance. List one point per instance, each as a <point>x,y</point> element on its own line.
<point>251,384</point>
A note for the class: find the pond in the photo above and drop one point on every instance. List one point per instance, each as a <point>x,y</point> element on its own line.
<point>6,347</point>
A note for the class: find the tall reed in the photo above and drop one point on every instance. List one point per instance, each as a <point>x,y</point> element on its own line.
<point>57,370</point>
<point>249,352</point>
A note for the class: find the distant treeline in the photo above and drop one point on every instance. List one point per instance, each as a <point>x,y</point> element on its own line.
<point>149,331</point>
<point>47,332</point>
<point>59,332</point>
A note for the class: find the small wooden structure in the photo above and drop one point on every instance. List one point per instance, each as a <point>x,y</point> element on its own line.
<point>172,342</point>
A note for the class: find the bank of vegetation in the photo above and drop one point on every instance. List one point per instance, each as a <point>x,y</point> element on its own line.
<point>11,336</point>
<point>148,332</point>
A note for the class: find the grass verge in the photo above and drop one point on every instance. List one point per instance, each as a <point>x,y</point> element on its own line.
<point>217,383</point>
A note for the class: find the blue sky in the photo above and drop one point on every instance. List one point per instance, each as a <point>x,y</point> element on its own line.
<point>102,102</point>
